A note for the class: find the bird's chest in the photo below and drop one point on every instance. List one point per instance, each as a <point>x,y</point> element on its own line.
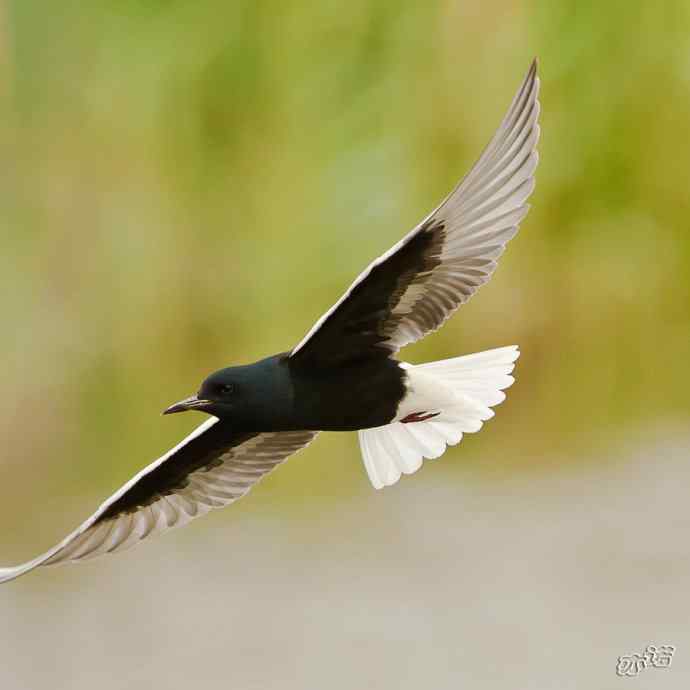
<point>350,398</point>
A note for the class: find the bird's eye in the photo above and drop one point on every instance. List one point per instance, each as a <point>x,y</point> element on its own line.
<point>226,388</point>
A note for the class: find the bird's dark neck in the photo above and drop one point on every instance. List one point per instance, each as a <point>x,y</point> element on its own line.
<point>265,396</point>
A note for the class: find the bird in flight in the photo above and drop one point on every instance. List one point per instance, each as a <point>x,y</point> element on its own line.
<point>343,375</point>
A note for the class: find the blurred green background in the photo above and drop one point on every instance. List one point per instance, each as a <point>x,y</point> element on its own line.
<point>191,184</point>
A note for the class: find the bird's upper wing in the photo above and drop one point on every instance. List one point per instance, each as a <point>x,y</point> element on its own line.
<point>416,285</point>
<point>209,469</point>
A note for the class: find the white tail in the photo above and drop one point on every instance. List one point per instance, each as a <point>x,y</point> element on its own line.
<point>458,392</point>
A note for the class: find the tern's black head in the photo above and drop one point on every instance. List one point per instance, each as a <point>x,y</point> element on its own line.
<point>220,394</point>
<point>258,394</point>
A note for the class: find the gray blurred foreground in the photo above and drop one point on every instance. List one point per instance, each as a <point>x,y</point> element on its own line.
<point>534,583</point>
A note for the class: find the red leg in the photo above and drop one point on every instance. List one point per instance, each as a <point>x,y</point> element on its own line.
<point>419,417</point>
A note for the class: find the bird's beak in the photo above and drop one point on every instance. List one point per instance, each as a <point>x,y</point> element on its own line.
<point>191,403</point>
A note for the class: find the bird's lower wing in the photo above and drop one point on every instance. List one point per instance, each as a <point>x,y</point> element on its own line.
<point>211,468</point>
<point>414,287</point>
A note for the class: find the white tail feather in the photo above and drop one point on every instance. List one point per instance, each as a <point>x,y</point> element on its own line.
<point>461,390</point>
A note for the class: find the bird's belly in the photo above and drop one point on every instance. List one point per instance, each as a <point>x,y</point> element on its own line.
<point>352,398</point>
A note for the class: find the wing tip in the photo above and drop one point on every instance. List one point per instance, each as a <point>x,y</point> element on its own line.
<point>531,83</point>
<point>12,573</point>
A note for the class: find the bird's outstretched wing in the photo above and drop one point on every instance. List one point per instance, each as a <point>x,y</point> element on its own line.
<point>415,286</point>
<point>209,469</point>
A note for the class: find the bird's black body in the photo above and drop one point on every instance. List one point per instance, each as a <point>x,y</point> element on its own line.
<point>356,395</point>
<point>278,394</point>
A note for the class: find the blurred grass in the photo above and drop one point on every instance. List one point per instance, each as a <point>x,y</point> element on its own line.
<point>191,184</point>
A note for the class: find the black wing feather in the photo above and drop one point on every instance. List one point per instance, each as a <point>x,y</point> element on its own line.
<point>360,326</point>
<point>201,452</point>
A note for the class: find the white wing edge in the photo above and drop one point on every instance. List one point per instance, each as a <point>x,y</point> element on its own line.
<point>7,574</point>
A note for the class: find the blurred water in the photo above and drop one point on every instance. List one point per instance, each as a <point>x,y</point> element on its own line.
<point>540,582</point>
